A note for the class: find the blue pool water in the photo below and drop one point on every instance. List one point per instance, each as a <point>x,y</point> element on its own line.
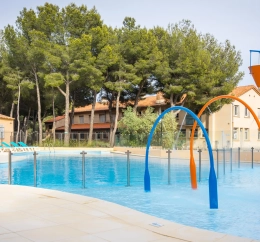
<point>106,178</point>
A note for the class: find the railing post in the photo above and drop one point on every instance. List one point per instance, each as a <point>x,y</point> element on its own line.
<point>9,167</point>
<point>199,164</point>
<point>252,157</point>
<point>169,166</point>
<point>35,168</point>
<point>217,162</point>
<point>83,168</point>
<point>231,159</point>
<point>128,167</point>
<point>224,160</point>
<point>238,157</point>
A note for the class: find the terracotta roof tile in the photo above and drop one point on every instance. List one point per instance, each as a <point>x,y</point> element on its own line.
<point>5,117</point>
<point>99,106</point>
<point>86,126</point>
<point>56,119</point>
<point>239,91</point>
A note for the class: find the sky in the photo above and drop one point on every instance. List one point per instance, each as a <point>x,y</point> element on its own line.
<point>234,20</point>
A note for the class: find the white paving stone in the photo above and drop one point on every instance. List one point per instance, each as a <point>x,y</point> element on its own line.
<point>42,215</point>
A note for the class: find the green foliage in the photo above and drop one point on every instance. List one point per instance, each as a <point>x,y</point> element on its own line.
<point>135,129</point>
<point>71,49</point>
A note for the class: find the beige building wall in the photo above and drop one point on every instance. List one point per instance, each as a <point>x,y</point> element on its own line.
<point>60,123</point>
<point>6,129</point>
<point>97,118</point>
<point>220,127</point>
<point>247,129</point>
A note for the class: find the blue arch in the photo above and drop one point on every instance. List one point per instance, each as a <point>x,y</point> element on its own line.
<point>213,190</point>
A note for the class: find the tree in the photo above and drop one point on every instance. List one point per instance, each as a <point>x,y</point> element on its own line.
<point>137,127</point>
<point>140,49</point>
<point>74,23</point>
<point>197,67</point>
<point>15,81</point>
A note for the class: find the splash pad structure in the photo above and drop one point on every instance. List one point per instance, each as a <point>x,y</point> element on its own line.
<point>255,69</point>
<point>213,192</point>
<point>192,162</point>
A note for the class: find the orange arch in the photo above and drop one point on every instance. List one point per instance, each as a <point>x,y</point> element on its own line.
<point>192,162</point>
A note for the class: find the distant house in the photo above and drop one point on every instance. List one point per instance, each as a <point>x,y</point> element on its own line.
<point>6,128</point>
<point>232,126</point>
<point>101,127</point>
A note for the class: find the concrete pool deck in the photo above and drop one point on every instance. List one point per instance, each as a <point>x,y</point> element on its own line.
<point>34,214</point>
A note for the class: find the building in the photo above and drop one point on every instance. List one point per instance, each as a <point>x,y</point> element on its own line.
<point>6,128</point>
<point>231,126</point>
<point>101,127</point>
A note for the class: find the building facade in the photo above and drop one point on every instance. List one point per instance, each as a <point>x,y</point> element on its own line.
<point>6,128</point>
<point>231,126</point>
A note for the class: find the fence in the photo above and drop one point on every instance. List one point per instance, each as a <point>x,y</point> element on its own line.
<point>76,139</point>
<point>243,138</point>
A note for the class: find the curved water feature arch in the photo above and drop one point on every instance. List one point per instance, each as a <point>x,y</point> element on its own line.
<point>193,178</point>
<point>213,192</point>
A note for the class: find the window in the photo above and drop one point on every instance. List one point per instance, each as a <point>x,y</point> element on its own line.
<point>246,134</point>
<point>113,117</point>
<point>81,119</point>
<point>195,134</point>
<point>202,134</point>
<point>258,113</point>
<point>189,119</point>
<point>235,133</point>
<point>246,112</point>
<point>236,110</point>
<point>102,118</point>
<point>82,136</point>
<point>98,135</point>
<point>2,131</point>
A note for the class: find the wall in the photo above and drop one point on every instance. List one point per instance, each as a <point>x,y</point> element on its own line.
<point>8,129</point>
<point>241,122</point>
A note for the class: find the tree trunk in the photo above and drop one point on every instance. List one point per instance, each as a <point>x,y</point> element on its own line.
<point>26,120</point>
<point>115,121</point>
<point>171,100</point>
<point>18,113</point>
<point>54,122</point>
<point>39,107</point>
<point>111,119</point>
<point>138,96</point>
<point>71,115</point>
<point>92,118</point>
<point>12,110</point>
<point>67,107</point>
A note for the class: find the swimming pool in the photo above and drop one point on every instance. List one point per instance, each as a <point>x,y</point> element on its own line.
<point>239,191</point>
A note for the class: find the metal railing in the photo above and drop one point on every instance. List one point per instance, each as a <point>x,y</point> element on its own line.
<point>223,157</point>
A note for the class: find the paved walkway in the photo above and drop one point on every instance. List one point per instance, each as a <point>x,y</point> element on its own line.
<point>34,214</point>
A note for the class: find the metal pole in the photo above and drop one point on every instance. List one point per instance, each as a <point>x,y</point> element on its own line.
<point>217,162</point>
<point>35,168</point>
<point>199,164</point>
<point>83,168</point>
<point>128,168</point>
<point>238,157</point>
<point>231,159</point>
<point>9,167</point>
<point>169,166</point>
<point>224,161</point>
<point>252,157</point>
